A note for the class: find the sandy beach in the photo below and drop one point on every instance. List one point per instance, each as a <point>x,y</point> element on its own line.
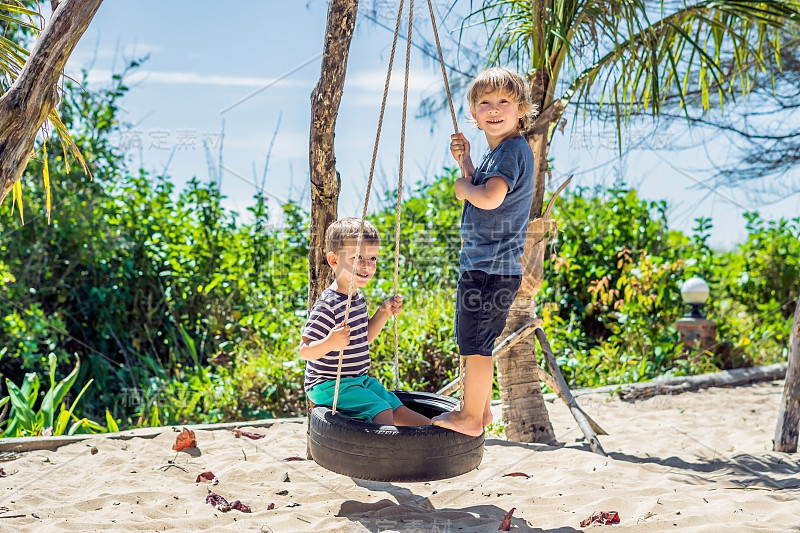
<point>699,462</point>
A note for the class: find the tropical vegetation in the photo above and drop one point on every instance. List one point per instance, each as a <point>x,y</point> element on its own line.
<point>140,304</point>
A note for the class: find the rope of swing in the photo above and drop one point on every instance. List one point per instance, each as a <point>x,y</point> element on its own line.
<point>400,177</point>
<point>461,369</point>
<point>399,210</point>
<point>366,198</point>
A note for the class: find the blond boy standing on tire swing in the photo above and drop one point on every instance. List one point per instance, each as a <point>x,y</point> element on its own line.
<point>497,199</point>
<point>325,334</point>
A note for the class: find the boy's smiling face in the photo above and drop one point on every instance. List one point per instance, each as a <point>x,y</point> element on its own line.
<point>343,261</point>
<point>497,115</point>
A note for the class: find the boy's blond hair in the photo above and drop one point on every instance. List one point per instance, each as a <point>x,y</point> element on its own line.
<point>346,230</point>
<point>507,81</point>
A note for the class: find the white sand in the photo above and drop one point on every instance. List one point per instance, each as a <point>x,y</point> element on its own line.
<point>693,462</point>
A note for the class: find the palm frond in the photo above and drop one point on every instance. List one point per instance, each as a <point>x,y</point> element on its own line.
<point>639,52</point>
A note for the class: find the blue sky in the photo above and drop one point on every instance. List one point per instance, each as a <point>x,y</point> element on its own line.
<point>253,65</point>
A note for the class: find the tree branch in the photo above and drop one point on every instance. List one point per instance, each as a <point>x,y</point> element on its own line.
<point>26,104</point>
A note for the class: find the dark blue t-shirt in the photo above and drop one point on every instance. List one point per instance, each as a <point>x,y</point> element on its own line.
<point>493,240</point>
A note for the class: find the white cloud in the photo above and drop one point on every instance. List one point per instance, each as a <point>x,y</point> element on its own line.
<point>193,78</point>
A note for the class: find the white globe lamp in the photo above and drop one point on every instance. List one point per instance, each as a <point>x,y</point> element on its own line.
<point>694,292</point>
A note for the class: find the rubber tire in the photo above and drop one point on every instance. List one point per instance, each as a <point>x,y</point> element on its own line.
<point>387,453</point>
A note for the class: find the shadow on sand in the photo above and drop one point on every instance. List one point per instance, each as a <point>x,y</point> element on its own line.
<point>769,470</point>
<point>746,470</point>
<point>410,512</point>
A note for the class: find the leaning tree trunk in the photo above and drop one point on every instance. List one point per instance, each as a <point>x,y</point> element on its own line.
<point>524,412</point>
<point>26,104</point>
<point>789,413</point>
<point>325,100</point>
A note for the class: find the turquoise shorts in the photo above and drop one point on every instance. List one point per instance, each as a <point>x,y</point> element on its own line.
<point>360,397</point>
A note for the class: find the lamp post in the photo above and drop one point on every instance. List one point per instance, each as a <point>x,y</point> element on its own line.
<point>695,329</point>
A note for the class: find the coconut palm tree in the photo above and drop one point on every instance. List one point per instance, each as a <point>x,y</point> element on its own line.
<point>630,55</point>
<point>28,92</point>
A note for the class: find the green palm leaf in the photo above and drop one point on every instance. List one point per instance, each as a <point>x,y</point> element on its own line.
<point>634,54</point>
<point>12,55</point>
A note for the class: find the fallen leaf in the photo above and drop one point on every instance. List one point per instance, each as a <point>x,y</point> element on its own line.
<point>222,504</point>
<point>270,507</point>
<point>248,434</point>
<point>239,506</point>
<point>185,440</point>
<point>604,518</point>
<point>505,525</point>
<point>215,499</point>
<point>516,474</point>
<point>294,458</point>
<point>207,477</point>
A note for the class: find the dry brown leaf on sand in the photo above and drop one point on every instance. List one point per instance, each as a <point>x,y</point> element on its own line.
<point>603,518</point>
<point>248,434</point>
<point>184,441</point>
<point>517,474</point>
<point>207,477</point>
<point>222,504</point>
<point>505,525</point>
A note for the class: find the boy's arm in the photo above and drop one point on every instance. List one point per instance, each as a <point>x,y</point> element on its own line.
<point>337,339</point>
<point>392,306</point>
<point>488,196</point>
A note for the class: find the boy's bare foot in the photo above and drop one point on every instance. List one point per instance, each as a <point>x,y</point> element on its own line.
<point>456,421</point>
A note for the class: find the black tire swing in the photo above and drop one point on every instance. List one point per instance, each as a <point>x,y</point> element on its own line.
<point>387,453</point>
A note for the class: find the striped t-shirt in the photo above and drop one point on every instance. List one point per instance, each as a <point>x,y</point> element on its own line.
<point>327,313</point>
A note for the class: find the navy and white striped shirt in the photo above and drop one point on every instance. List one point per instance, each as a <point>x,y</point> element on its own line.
<point>327,313</point>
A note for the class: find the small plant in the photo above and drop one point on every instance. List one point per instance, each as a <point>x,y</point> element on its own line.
<point>496,429</point>
<point>53,416</point>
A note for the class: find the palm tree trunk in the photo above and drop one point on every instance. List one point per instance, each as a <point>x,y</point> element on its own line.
<point>789,413</point>
<point>524,413</point>
<point>325,100</point>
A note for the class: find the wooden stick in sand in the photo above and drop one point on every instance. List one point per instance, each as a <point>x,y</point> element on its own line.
<point>563,391</point>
